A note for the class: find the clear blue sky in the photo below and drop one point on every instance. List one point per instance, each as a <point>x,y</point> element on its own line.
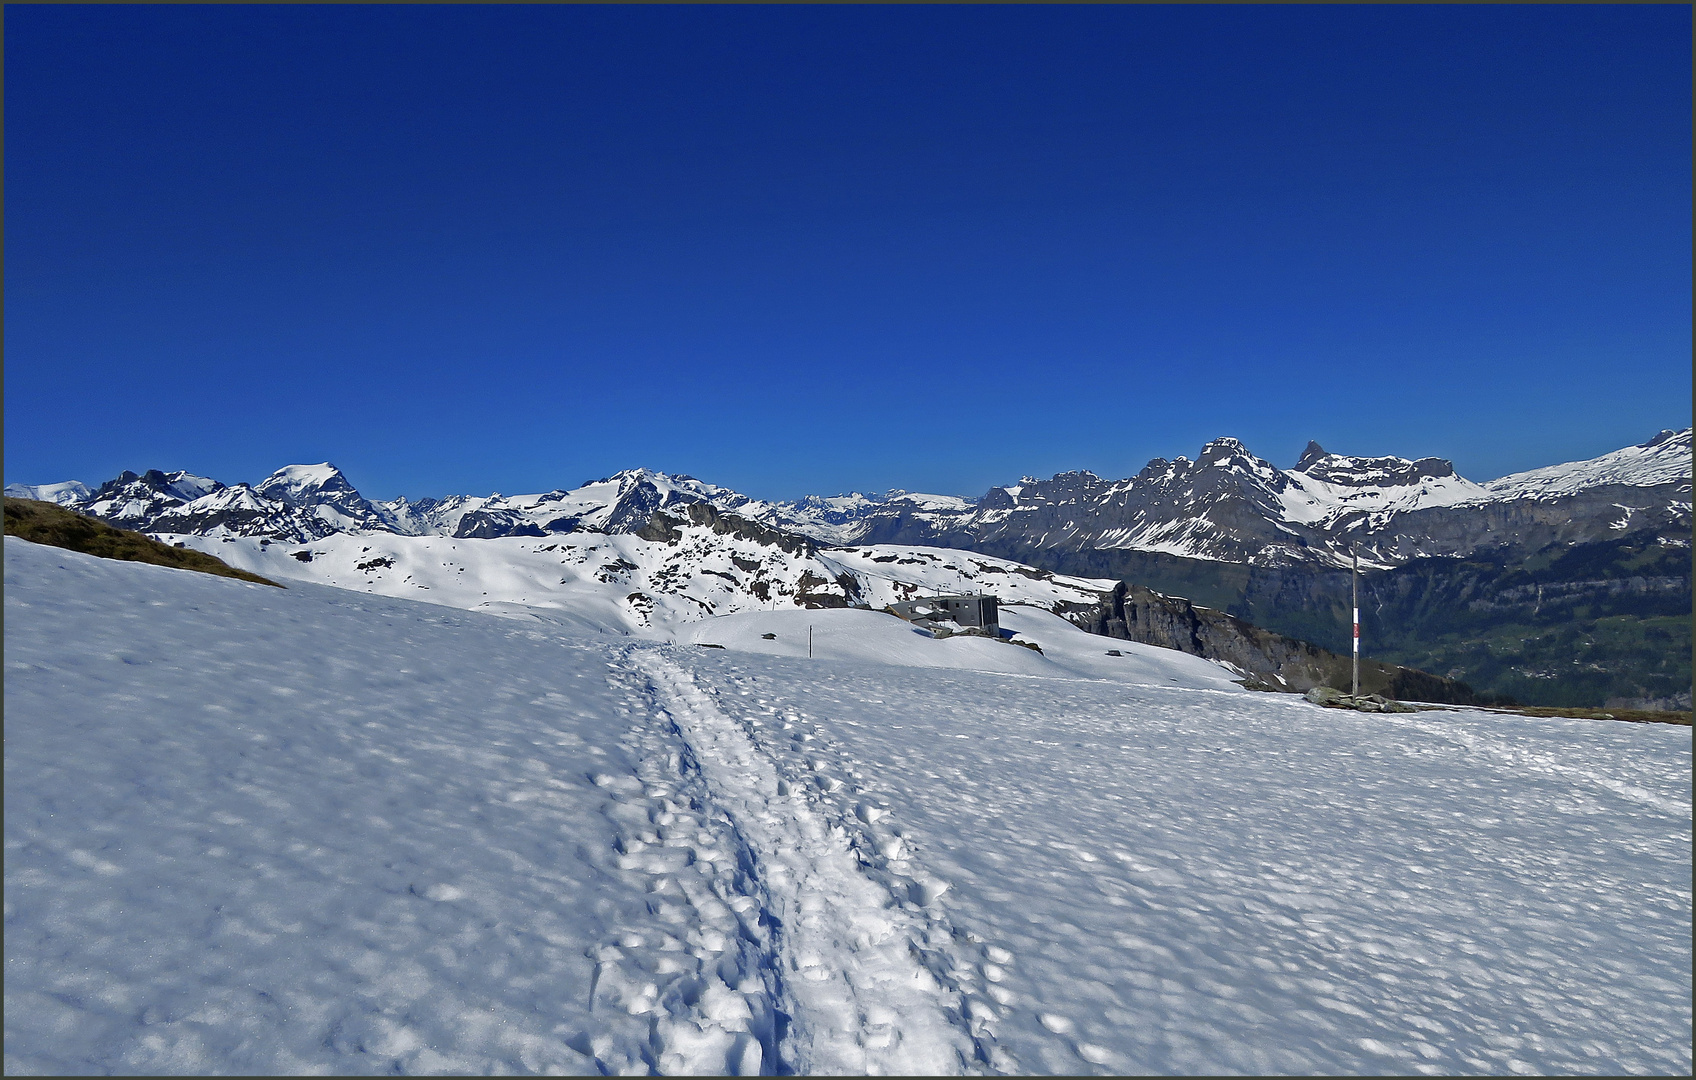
<point>812,249</point>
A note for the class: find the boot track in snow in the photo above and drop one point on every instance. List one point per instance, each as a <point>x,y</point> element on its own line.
<point>825,973</point>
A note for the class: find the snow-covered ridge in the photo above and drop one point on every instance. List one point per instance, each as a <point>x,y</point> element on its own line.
<point>1664,459</point>
<point>1228,505</point>
<point>840,519</point>
<point>65,494</point>
<point>616,503</point>
<point>632,584</point>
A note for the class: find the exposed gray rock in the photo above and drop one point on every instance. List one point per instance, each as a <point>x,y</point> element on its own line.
<point>1336,699</point>
<point>1134,613</point>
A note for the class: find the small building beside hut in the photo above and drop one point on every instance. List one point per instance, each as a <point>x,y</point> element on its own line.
<point>966,612</point>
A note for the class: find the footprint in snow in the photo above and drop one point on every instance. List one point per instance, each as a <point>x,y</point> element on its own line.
<point>443,893</point>
<point>1056,1023</point>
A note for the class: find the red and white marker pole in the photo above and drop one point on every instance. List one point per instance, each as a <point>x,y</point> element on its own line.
<point>1354,589</point>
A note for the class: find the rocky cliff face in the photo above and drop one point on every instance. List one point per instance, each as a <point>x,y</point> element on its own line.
<point>1270,660</point>
<point>1568,625</point>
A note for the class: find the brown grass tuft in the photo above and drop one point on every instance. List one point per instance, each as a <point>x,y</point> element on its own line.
<point>1635,716</point>
<point>46,523</point>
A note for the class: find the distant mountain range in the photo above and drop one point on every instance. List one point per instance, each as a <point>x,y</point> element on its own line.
<point>1227,506</point>
<point>1494,584</point>
<point>306,502</point>
<point>1230,506</point>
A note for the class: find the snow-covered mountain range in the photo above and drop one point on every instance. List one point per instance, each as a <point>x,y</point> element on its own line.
<point>308,502</point>
<point>1231,506</point>
<point>645,552</point>
<point>638,552</point>
<point>1226,506</point>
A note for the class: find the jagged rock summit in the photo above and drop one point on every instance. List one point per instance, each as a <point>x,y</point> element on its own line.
<point>1330,468</point>
<point>1228,505</point>
<point>1231,506</point>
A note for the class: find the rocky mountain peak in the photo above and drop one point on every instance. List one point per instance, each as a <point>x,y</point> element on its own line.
<point>1222,449</point>
<point>153,480</point>
<point>298,485</point>
<point>1311,456</point>
<point>154,487</point>
<point>1369,471</point>
<point>631,478</point>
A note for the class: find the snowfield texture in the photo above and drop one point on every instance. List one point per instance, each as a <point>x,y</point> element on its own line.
<point>314,830</point>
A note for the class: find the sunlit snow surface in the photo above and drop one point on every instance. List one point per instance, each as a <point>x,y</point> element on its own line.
<point>254,830</point>
<point>67,492</point>
<point>1665,459</point>
<point>627,584</point>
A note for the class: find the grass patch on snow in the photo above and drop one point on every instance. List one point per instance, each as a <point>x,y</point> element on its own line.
<point>46,523</point>
<point>1635,716</point>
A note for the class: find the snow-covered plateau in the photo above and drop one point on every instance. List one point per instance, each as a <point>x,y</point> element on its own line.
<point>318,830</point>
<point>627,583</point>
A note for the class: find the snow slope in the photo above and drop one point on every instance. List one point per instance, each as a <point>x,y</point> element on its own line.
<point>872,636</point>
<point>316,830</point>
<point>1665,459</point>
<point>65,493</point>
<point>628,584</point>
<point>1311,501</point>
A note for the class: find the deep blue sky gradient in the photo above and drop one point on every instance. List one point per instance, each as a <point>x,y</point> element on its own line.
<point>812,249</point>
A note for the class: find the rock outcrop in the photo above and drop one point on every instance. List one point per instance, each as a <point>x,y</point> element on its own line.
<point>1266,659</point>
<point>1336,699</point>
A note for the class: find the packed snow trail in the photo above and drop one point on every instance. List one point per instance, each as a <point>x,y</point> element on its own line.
<point>695,959</point>
<point>856,1000</point>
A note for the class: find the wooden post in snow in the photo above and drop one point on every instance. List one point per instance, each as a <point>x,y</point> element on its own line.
<point>1354,591</point>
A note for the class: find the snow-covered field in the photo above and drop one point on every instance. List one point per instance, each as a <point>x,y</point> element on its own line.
<point>315,830</point>
<point>627,585</point>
